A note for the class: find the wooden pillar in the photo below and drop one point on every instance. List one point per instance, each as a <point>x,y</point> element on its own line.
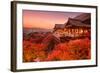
<point>68,31</point>
<point>83,32</point>
<point>74,32</point>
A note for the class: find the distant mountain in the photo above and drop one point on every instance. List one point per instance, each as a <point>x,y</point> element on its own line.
<point>29,30</point>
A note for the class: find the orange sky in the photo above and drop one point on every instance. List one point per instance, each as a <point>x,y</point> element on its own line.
<point>45,19</point>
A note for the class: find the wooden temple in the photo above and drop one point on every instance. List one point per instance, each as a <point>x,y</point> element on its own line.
<point>75,27</point>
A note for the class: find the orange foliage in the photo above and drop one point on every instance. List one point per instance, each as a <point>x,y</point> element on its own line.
<point>73,50</point>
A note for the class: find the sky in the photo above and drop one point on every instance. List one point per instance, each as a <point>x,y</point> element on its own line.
<point>45,19</point>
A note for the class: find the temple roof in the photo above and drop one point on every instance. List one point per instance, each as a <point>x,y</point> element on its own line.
<point>75,22</point>
<point>59,26</point>
<point>78,21</point>
<point>83,16</point>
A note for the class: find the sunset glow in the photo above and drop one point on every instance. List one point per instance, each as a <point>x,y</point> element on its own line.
<point>45,19</point>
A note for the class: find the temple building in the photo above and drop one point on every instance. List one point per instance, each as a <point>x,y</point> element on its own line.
<point>79,26</point>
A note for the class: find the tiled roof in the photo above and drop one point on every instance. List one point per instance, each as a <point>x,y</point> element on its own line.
<point>83,16</point>
<point>59,26</point>
<point>77,21</point>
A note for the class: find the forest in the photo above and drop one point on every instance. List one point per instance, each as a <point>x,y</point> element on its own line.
<point>40,47</point>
